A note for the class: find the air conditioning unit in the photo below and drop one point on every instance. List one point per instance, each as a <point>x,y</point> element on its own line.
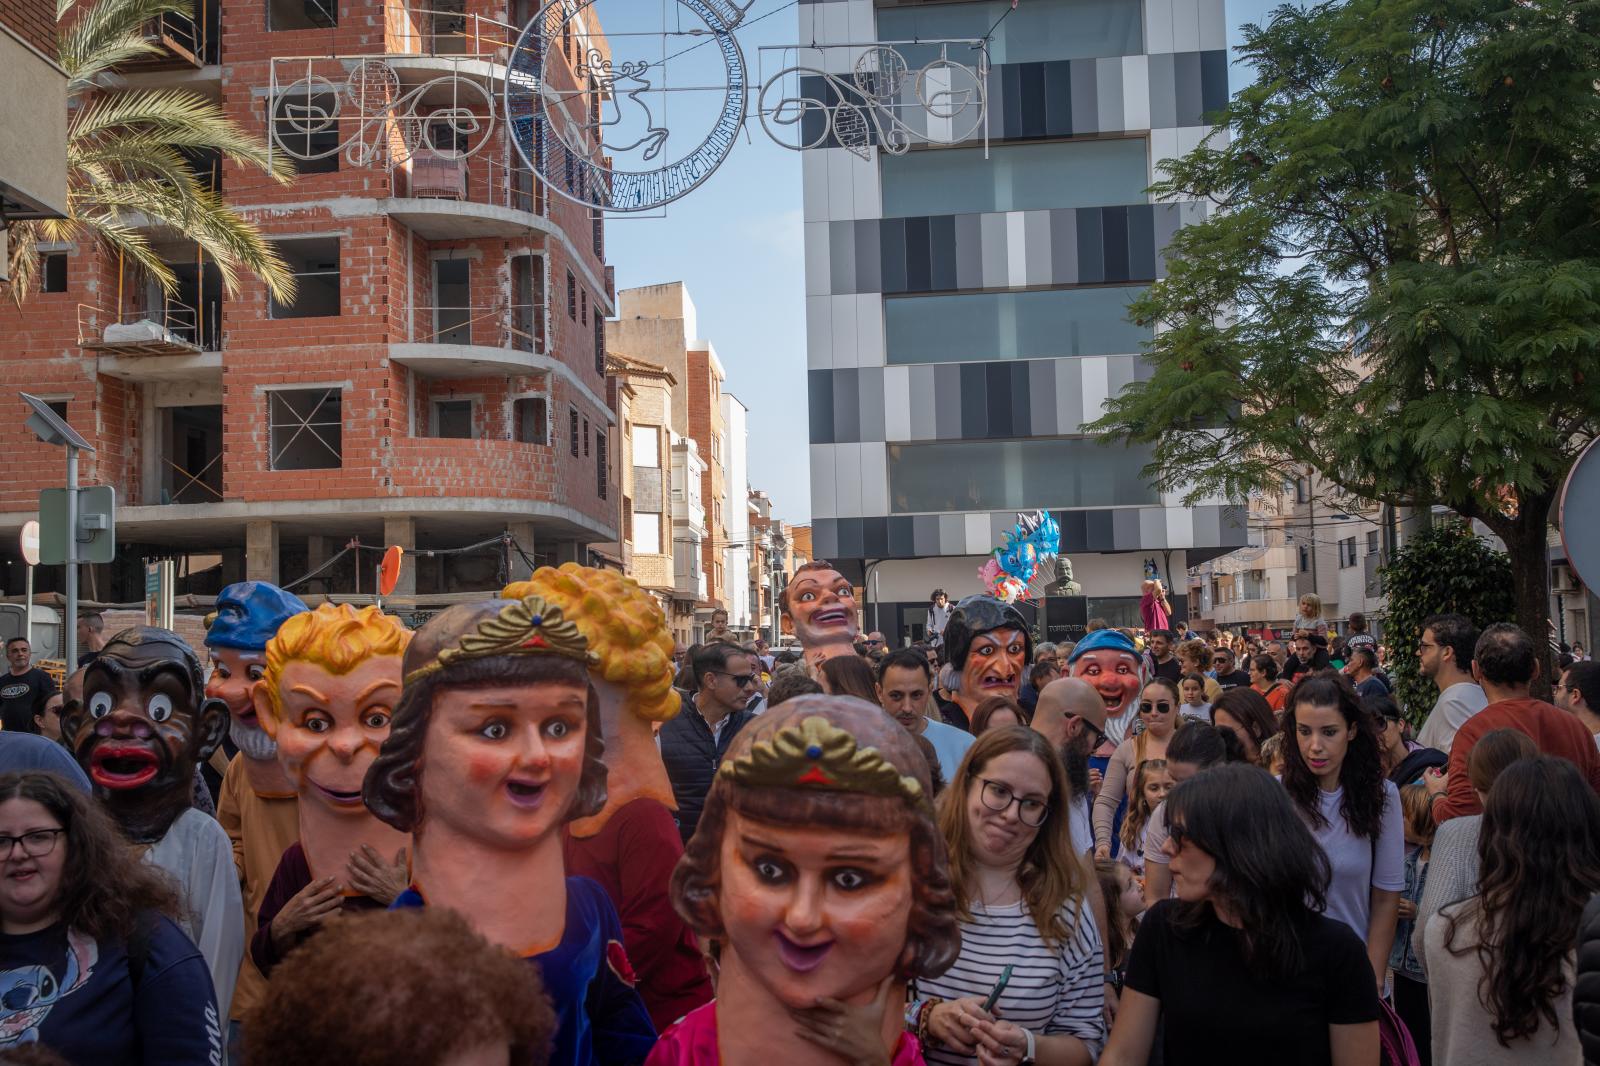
<point>1563,580</point>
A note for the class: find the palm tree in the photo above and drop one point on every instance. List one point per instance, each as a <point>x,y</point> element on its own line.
<point>125,156</point>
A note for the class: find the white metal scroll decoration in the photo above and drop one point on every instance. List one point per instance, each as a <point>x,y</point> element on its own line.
<point>587,113</point>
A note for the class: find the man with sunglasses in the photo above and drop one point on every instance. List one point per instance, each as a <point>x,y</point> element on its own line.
<point>1071,715</point>
<point>693,743</point>
<point>1228,674</point>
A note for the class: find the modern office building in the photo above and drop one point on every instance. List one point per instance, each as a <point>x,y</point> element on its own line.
<point>966,304</point>
<point>437,381</point>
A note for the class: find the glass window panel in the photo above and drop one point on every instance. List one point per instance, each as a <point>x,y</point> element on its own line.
<point>1016,475</point>
<point>1015,177</point>
<point>647,445</point>
<point>647,532</point>
<point>1036,31</point>
<point>989,326</point>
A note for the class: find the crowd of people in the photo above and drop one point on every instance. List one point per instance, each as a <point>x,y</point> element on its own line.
<point>535,831</point>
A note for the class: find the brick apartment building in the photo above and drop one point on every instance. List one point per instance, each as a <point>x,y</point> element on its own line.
<point>438,380</point>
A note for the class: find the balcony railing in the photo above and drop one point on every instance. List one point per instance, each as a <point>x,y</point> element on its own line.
<point>186,39</point>
<point>431,174</point>
<point>516,326</point>
<point>176,329</point>
<point>426,32</point>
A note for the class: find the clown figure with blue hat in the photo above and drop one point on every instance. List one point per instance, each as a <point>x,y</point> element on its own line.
<point>257,804</point>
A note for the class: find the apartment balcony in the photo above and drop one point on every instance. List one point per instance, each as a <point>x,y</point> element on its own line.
<point>173,343</point>
<point>1254,612</point>
<point>183,41</point>
<point>463,341</point>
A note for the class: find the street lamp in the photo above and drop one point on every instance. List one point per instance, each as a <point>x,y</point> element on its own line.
<point>51,428</point>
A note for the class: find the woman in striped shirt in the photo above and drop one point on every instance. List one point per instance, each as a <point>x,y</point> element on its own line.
<point>1020,890</point>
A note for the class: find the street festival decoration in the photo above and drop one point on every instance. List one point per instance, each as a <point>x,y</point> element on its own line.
<point>817,776</point>
<point>1011,566</point>
<point>588,115</point>
<point>1109,660</point>
<point>821,604</point>
<point>495,746</point>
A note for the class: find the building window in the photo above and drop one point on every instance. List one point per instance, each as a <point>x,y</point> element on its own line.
<point>301,125</point>
<point>530,420</point>
<point>59,407</point>
<point>647,446</point>
<point>452,299</point>
<point>572,296</point>
<point>583,307</point>
<point>1007,475</point>
<point>1015,177</point>
<point>452,419</point>
<point>1305,559</point>
<point>991,326</point>
<point>1347,553</point>
<point>1372,542</point>
<point>314,262</point>
<point>302,14</point>
<point>528,283</point>
<point>586,438</point>
<point>305,429</point>
<point>53,272</point>
<point>1037,31</point>
<point>602,467</point>
<point>1302,491</point>
<point>599,343</point>
<point>599,236</point>
<point>647,532</point>
<point>572,417</point>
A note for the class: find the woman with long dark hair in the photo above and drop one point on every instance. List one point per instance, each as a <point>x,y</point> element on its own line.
<point>1197,747</point>
<point>95,967</point>
<point>1500,964</point>
<point>1245,713</point>
<point>1020,891</point>
<point>1333,771</point>
<point>1242,965</point>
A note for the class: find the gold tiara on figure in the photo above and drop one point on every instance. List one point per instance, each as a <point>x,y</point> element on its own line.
<point>523,627</point>
<point>818,754</point>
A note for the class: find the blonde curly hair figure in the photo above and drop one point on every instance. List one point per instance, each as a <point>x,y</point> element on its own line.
<point>625,627</point>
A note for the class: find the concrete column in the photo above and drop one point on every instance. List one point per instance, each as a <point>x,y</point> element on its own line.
<point>570,551</point>
<point>402,530</point>
<point>524,533</point>
<point>261,551</point>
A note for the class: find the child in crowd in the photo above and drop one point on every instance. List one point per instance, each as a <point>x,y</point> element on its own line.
<point>1310,619</point>
<point>1124,897</point>
<point>1272,754</point>
<point>1151,783</point>
<point>1410,980</point>
<point>1192,689</point>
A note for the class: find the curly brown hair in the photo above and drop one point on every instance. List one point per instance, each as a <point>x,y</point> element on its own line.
<point>445,990</point>
<point>933,936</point>
<point>106,890</point>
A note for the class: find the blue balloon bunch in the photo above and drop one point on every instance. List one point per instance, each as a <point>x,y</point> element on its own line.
<point>1034,538</point>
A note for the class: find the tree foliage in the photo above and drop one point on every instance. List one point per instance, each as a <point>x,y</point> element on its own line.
<point>126,162</point>
<point>1442,570</point>
<point>1398,281</point>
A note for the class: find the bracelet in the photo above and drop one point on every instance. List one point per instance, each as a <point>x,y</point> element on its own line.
<point>924,1036</point>
<point>1027,1058</point>
<point>913,1012</point>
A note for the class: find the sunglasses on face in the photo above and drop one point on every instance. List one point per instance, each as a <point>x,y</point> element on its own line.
<point>1178,834</point>
<point>1159,707</point>
<point>740,680</point>
<point>1221,660</point>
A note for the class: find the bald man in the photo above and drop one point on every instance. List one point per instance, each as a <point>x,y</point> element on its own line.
<point>1071,715</point>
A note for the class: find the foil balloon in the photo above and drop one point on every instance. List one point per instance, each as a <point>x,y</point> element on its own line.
<point>1011,566</point>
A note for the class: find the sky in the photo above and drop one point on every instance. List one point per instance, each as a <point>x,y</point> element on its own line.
<point>737,242</point>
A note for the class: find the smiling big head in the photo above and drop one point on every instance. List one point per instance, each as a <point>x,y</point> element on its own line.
<point>822,604</point>
<point>1108,660</point>
<point>332,678</point>
<point>248,614</point>
<point>817,863</point>
<point>142,726</point>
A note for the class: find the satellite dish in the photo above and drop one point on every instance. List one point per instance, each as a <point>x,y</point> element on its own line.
<point>1580,513</point>
<point>30,542</point>
<point>389,570</point>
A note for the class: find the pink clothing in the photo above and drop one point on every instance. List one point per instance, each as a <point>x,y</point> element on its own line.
<point>1153,612</point>
<point>692,1041</point>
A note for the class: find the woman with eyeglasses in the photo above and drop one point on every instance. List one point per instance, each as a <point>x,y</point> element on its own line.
<point>92,965</point>
<point>1020,891</point>
<point>1333,772</point>
<point>1158,711</point>
<point>1242,967</point>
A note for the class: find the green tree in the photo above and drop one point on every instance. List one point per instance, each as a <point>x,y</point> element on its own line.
<point>125,158</point>
<point>1445,569</point>
<point>1398,282</point>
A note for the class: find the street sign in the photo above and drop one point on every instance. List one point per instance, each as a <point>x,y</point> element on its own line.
<point>97,525</point>
<point>1579,515</point>
<point>30,542</point>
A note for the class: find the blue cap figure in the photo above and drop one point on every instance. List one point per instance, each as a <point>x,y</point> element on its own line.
<point>248,615</point>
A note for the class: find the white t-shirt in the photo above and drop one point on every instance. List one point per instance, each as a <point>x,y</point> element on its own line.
<point>950,744</point>
<point>198,854</point>
<point>1052,991</point>
<point>1450,712</point>
<point>1081,823</point>
<point>1358,865</point>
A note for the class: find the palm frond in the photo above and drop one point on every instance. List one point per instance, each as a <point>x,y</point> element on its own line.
<point>123,239</point>
<point>107,33</point>
<point>177,118</point>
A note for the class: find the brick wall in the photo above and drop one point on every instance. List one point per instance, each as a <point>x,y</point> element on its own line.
<point>32,20</point>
